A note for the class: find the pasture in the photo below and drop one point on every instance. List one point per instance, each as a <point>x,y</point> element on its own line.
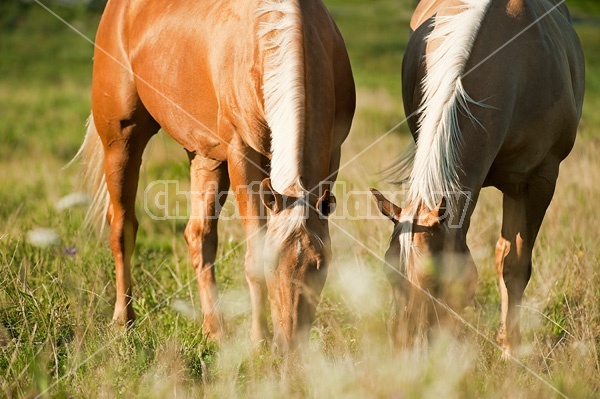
<point>56,301</point>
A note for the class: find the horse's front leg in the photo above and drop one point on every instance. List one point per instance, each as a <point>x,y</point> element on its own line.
<point>246,170</point>
<point>209,187</point>
<point>522,218</point>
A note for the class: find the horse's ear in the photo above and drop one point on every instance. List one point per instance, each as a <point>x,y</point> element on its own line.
<point>326,203</point>
<point>270,198</point>
<point>440,212</point>
<point>387,207</point>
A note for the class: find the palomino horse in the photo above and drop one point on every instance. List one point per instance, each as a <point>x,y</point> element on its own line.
<point>245,87</point>
<point>497,87</point>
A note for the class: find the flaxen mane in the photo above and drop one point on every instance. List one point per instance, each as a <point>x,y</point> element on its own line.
<point>435,160</point>
<point>284,101</point>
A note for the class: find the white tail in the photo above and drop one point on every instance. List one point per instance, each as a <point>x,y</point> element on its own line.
<point>91,157</point>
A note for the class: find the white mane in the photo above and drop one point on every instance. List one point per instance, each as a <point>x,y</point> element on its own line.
<point>283,87</point>
<point>436,159</point>
<point>281,31</point>
<point>434,172</point>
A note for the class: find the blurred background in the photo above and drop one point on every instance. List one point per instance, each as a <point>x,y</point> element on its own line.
<point>57,281</point>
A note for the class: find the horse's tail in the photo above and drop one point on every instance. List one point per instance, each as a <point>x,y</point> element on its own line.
<point>91,157</point>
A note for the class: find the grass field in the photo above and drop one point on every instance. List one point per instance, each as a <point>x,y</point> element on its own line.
<point>56,339</point>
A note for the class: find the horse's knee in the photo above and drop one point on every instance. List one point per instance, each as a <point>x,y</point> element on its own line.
<point>517,277</point>
<point>191,234</point>
<point>517,269</point>
<point>513,263</point>
<point>123,230</point>
<point>502,249</point>
<point>201,239</point>
<point>196,231</point>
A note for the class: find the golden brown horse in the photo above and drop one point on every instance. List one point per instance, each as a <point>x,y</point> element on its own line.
<point>255,91</point>
<point>497,89</point>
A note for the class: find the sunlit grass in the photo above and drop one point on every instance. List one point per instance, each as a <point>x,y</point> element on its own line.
<point>56,302</point>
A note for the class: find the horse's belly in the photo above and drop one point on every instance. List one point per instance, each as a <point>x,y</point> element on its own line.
<point>187,111</point>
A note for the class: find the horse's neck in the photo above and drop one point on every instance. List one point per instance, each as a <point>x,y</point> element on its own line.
<point>299,91</point>
<point>428,8</point>
<point>425,10</point>
<point>515,7</point>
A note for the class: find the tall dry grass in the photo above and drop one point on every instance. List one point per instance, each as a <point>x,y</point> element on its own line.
<point>56,339</point>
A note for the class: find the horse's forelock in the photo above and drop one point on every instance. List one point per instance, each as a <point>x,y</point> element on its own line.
<point>287,222</point>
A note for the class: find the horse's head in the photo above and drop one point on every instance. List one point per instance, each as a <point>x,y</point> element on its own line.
<point>297,252</point>
<point>426,252</point>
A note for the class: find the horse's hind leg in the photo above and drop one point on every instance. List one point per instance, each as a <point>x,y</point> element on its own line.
<point>522,218</point>
<point>210,183</point>
<point>124,142</point>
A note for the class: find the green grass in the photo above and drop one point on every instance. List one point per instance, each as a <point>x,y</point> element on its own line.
<point>55,307</point>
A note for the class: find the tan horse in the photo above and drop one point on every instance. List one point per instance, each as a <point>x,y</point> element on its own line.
<point>251,89</point>
<point>497,87</point>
